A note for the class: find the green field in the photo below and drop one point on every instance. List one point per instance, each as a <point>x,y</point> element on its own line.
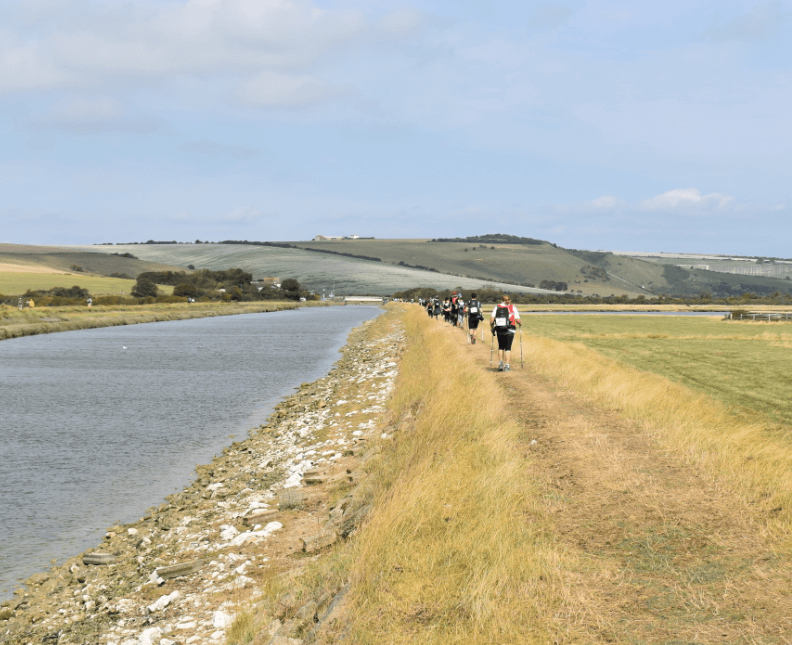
<point>12,283</point>
<point>745,365</point>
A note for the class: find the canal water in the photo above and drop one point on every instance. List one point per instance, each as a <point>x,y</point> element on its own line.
<point>98,425</point>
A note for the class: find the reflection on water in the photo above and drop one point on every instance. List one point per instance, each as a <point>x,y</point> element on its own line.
<point>98,425</point>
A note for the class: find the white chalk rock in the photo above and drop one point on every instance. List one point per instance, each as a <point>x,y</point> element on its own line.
<point>229,533</point>
<point>162,602</point>
<point>150,636</point>
<point>222,620</point>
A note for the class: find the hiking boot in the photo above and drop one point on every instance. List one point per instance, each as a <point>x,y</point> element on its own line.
<point>500,366</point>
<point>506,368</point>
<point>472,341</point>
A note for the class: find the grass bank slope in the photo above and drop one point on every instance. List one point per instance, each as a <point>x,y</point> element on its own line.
<point>456,549</point>
<point>580,500</point>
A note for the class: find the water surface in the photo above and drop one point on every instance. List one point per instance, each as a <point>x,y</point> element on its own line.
<point>98,425</point>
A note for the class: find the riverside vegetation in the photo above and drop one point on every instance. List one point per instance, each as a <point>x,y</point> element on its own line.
<point>15,323</point>
<point>584,499</point>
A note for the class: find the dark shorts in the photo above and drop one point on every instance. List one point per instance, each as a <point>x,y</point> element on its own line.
<point>473,322</point>
<point>505,340</point>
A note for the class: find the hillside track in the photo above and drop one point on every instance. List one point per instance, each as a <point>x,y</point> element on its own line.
<point>659,551</point>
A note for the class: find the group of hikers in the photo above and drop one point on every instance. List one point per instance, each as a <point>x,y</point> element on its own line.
<point>504,320</point>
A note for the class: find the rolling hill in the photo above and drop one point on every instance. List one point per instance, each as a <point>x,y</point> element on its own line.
<point>369,266</point>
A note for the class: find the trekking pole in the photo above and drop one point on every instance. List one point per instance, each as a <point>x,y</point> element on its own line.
<point>467,331</point>
<point>492,344</point>
<point>522,364</point>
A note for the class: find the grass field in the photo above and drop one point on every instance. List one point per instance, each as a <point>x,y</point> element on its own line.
<point>745,365</point>
<point>17,283</point>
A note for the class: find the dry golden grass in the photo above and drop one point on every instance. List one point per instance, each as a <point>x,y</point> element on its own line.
<point>456,550</point>
<point>746,451</point>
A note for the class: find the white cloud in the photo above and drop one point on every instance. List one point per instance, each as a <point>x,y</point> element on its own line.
<point>137,44</point>
<point>275,90</point>
<point>686,199</point>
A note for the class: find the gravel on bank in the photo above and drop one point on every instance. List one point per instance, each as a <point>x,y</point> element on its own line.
<point>180,575</point>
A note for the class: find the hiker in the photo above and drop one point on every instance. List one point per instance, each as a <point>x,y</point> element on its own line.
<point>474,316</point>
<point>447,310</point>
<point>452,314</point>
<point>437,308</point>
<point>460,317</point>
<point>503,322</point>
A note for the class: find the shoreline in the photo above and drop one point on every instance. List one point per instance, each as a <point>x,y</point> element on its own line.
<point>179,574</point>
<point>59,319</point>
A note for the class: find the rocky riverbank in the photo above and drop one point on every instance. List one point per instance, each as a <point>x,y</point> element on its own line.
<point>184,571</point>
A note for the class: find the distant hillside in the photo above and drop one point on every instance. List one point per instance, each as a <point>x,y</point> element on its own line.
<point>335,271</point>
<point>513,264</point>
<point>111,264</point>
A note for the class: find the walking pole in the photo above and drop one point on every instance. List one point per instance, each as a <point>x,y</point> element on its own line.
<point>522,364</point>
<point>467,331</point>
<point>492,344</point>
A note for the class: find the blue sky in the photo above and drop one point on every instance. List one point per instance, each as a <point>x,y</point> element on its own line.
<point>595,125</point>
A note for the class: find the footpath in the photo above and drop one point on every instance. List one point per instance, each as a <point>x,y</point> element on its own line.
<point>657,550</point>
<point>184,573</point>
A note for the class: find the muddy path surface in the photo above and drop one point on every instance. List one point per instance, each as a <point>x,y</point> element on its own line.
<point>664,552</point>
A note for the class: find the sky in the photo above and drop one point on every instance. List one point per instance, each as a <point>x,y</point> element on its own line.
<point>607,125</point>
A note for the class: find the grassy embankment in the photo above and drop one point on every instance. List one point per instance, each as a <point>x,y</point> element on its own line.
<point>15,323</point>
<point>456,549</point>
<point>460,548</point>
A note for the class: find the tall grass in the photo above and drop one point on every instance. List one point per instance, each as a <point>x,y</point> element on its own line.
<point>745,451</point>
<point>456,550</point>
<point>744,365</point>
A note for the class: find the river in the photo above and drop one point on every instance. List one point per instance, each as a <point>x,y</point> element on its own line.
<point>98,425</point>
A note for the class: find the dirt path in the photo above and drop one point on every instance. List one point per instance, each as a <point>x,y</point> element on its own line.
<point>665,554</point>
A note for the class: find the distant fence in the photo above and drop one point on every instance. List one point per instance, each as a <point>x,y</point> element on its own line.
<point>759,317</point>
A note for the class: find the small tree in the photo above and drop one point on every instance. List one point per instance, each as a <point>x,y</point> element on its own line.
<point>187,291</point>
<point>291,289</point>
<point>145,288</point>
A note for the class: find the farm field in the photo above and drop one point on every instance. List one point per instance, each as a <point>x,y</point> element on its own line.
<point>50,259</point>
<point>17,283</point>
<point>317,271</point>
<point>744,365</point>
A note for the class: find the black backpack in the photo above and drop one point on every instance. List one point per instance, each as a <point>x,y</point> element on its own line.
<point>502,318</point>
<point>474,310</point>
